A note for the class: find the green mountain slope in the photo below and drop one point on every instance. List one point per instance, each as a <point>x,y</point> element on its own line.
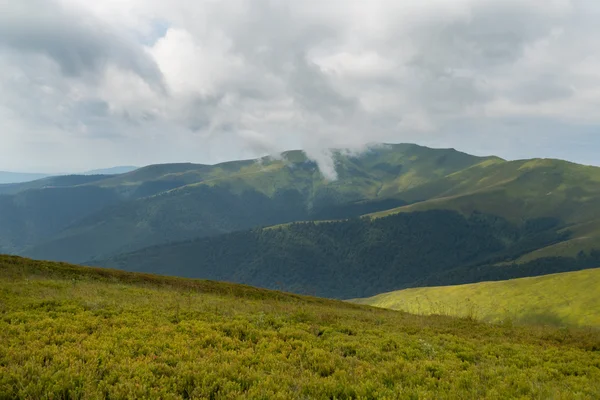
<point>515,190</point>
<point>569,298</point>
<point>161,204</point>
<point>33,215</point>
<point>362,257</point>
<point>174,202</point>
<point>74,332</point>
<point>519,190</point>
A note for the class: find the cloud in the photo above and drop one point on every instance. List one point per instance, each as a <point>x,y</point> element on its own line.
<point>77,42</point>
<point>208,81</point>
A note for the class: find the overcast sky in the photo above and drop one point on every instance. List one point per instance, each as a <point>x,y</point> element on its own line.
<point>87,84</point>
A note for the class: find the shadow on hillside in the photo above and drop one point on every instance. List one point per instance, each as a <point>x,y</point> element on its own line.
<point>542,317</point>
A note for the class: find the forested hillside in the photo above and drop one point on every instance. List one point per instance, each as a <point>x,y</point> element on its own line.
<point>362,257</point>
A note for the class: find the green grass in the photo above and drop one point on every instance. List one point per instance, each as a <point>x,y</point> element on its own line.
<point>72,332</point>
<point>513,190</point>
<point>566,299</point>
<point>518,190</point>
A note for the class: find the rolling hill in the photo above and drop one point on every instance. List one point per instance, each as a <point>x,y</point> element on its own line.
<point>565,299</point>
<point>76,332</point>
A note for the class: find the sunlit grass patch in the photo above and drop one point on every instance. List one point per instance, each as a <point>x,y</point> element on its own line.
<point>566,299</point>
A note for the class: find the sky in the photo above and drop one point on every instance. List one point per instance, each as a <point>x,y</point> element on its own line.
<point>88,84</point>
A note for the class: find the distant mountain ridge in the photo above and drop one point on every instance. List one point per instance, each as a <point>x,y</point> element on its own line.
<point>24,177</point>
<point>18,177</point>
<point>111,171</point>
<point>170,202</point>
<point>100,217</point>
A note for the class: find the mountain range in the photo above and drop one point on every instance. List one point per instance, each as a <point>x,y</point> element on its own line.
<point>7,178</point>
<point>397,216</point>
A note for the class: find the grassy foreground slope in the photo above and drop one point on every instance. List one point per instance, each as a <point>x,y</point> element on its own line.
<point>75,332</point>
<point>570,298</point>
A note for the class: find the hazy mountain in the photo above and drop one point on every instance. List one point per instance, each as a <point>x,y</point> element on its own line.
<point>165,203</point>
<point>18,177</point>
<point>111,171</point>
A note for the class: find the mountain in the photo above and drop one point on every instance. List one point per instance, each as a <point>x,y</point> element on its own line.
<point>566,299</point>
<point>100,218</point>
<point>33,215</point>
<point>52,182</point>
<point>165,203</point>
<point>519,190</point>
<point>363,257</point>
<point>18,177</point>
<point>21,177</point>
<point>98,333</point>
<point>111,170</point>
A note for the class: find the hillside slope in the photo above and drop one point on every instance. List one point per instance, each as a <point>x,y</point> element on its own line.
<point>74,332</point>
<point>515,190</point>
<point>363,257</point>
<point>570,298</point>
<point>519,190</point>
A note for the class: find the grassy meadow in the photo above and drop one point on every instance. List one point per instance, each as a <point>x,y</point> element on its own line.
<point>565,299</point>
<point>71,332</point>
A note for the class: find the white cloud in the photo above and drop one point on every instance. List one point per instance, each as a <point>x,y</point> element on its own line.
<point>142,81</point>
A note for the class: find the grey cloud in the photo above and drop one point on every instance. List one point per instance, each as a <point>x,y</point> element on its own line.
<point>77,42</point>
<point>314,93</point>
<point>542,89</point>
<point>270,75</point>
<point>492,34</point>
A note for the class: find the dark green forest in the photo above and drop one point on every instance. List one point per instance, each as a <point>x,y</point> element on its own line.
<point>360,257</point>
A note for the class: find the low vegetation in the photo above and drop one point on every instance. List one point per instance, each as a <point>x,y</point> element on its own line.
<point>72,332</point>
<point>566,299</point>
